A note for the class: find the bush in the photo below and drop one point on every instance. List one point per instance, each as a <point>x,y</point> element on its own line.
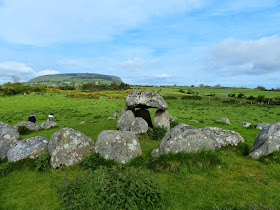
<point>192,97</point>
<point>231,95</point>
<point>23,130</point>
<point>6,168</point>
<point>43,162</point>
<point>94,161</point>
<point>241,95</point>
<point>172,162</point>
<point>181,91</point>
<point>112,188</point>
<point>156,133</point>
<point>173,124</point>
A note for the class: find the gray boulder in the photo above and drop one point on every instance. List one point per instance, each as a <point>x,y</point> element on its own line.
<point>28,148</point>
<point>267,141</point>
<point>145,99</point>
<point>222,137</point>
<point>224,120</point>
<point>68,146</point>
<point>8,138</point>
<point>30,125</point>
<point>117,145</point>
<point>48,124</point>
<point>162,119</point>
<point>139,126</point>
<point>245,124</point>
<point>126,121</point>
<point>145,114</point>
<point>184,138</point>
<point>262,126</point>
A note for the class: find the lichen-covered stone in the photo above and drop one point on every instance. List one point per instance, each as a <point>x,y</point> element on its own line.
<point>224,120</point>
<point>245,124</point>
<point>222,137</point>
<point>68,146</point>
<point>28,148</point>
<point>145,114</point>
<point>139,126</point>
<point>30,125</point>
<point>126,121</point>
<point>145,99</point>
<point>48,124</point>
<point>184,138</point>
<point>262,126</point>
<point>162,119</point>
<point>267,141</point>
<point>8,138</point>
<point>117,145</point>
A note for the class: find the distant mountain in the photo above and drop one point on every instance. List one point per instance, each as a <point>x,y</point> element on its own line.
<point>73,78</point>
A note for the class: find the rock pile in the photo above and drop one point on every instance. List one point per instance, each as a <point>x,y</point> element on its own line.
<point>138,102</point>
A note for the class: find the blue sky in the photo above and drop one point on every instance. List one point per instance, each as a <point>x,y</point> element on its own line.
<point>183,42</point>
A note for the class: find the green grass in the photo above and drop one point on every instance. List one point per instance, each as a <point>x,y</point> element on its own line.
<point>239,183</point>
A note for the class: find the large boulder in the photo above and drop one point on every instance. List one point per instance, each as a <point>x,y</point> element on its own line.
<point>30,125</point>
<point>48,124</point>
<point>8,138</point>
<point>267,141</point>
<point>222,137</point>
<point>126,121</point>
<point>145,99</point>
<point>117,145</point>
<point>145,114</point>
<point>139,126</point>
<point>245,124</point>
<point>224,120</point>
<point>262,126</point>
<point>28,148</point>
<point>68,146</point>
<point>162,119</point>
<point>183,138</point>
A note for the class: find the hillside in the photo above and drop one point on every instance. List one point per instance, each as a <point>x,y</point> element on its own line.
<point>71,79</point>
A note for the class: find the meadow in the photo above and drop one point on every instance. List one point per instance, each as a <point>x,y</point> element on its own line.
<point>235,182</point>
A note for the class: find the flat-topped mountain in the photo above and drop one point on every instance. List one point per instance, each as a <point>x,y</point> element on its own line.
<point>72,78</point>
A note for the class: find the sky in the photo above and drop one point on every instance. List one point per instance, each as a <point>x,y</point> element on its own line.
<point>155,42</point>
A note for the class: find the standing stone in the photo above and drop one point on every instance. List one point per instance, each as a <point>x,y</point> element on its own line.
<point>184,138</point>
<point>245,124</point>
<point>117,145</point>
<point>222,137</point>
<point>140,126</point>
<point>28,148</point>
<point>48,124</point>
<point>262,126</point>
<point>145,99</point>
<point>145,114</point>
<point>30,125</point>
<point>162,119</point>
<point>68,146</point>
<point>224,120</point>
<point>267,141</point>
<point>126,121</point>
<point>8,138</point>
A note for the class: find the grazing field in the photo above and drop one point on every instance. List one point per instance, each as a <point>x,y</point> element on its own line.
<point>235,181</point>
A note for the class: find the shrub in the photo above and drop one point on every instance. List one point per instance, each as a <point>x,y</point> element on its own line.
<point>192,97</point>
<point>231,95</point>
<point>23,130</point>
<point>112,188</point>
<point>6,168</point>
<point>43,162</point>
<point>156,133</point>
<point>172,162</point>
<point>241,95</point>
<point>173,123</point>
<point>181,91</point>
<point>94,161</point>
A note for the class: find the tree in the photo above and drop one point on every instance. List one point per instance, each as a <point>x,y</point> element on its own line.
<point>261,88</point>
<point>15,78</point>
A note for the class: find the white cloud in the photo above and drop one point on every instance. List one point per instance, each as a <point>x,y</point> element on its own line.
<point>233,57</point>
<point>137,63</point>
<point>12,68</point>
<point>51,21</point>
<point>163,75</point>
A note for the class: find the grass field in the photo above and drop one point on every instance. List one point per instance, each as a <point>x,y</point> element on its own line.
<point>240,182</point>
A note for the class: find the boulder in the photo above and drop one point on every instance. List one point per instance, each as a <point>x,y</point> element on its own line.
<point>184,138</point>
<point>145,114</point>
<point>8,138</point>
<point>30,125</point>
<point>245,124</point>
<point>126,121</point>
<point>222,137</point>
<point>162,119</point>
<point>68,146</point>
<point>145,99</point>
<point>267,141</point>
<point>48,124</point>
<point>224,120</point>
<point>139,126</point>
<point>28,148</point>
<point>126,109</point>
<point>262,126</point>
<point>117,145</point>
